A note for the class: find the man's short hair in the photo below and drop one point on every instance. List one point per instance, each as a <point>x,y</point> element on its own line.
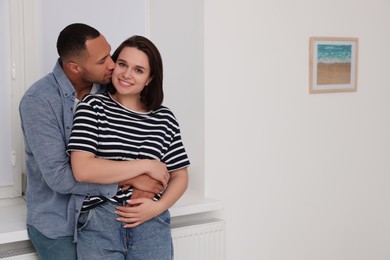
<point>71,40</point>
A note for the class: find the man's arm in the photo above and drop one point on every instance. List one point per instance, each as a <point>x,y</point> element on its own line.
<point>143,186</point>
<point>144,183</point>
<point>46,144</point>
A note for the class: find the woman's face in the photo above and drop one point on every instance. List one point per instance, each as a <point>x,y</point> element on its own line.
<point>131,73</point>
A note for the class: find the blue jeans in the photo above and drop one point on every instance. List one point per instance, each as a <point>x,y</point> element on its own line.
<point>101,236</point>
<point>61,248</point>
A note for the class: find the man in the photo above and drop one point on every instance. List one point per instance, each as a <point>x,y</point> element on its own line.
<point>46,112</point>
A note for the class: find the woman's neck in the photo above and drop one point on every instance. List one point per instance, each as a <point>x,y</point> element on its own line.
<point>130,102</point>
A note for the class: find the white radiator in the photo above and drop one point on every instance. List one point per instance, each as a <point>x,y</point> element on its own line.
<point>199,241</point>
<point>22,256</point>
<point>18,251</point>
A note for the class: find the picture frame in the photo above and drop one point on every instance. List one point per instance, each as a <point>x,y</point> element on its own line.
<point>333,64</point>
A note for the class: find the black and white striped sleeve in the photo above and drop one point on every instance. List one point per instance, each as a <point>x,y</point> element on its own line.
<point>176,156</point>
<point>84,134</point>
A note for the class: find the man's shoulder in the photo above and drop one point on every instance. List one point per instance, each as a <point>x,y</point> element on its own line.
<point>47,85</point>
<point>52,84</point>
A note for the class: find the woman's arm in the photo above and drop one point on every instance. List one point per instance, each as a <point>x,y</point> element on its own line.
<point>87,168</point>
<point>176,187</point>
<point>139,211</point>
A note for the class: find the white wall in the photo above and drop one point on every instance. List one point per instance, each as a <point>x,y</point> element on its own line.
<point>176,27</point>
<point>301,176</point>
<point>130,19</point>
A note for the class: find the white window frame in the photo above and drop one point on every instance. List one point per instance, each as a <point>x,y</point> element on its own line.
<point>22,43</point>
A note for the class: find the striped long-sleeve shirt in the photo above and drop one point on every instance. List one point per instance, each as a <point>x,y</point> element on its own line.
<point>110,131</point>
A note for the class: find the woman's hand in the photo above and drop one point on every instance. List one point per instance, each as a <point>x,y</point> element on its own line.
<point>138,211</point>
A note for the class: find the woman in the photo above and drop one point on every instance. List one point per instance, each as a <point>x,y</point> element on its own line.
<point>128,124</point>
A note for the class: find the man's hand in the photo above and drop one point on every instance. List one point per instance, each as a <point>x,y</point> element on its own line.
<point>144,183</point>
<point>157,170</point>
<point>137,194</point>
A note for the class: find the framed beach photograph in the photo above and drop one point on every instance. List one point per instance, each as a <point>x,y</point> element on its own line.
<point>333,64</point>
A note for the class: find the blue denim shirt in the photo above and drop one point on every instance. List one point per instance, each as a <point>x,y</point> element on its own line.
<point>46,112</point>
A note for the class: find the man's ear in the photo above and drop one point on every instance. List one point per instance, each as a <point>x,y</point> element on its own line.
<point>73,67</point>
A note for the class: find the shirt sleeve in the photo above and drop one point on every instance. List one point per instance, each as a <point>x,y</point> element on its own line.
<point>84,136</point>
<point>176,157</point>
<point>46,143</point>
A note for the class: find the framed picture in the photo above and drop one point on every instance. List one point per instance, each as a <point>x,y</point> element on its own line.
<point>333,64</point>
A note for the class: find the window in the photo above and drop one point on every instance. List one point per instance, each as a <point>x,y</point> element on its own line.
<point>12,73</point>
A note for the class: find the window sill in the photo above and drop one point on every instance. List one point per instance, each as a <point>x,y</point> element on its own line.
<point>13,215</point>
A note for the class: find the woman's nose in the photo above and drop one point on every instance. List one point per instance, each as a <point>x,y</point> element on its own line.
<point>127,74</point>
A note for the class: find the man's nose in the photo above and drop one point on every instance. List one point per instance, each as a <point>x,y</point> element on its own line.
<point>111,64</point>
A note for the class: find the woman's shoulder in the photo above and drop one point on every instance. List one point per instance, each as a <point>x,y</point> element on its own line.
<point>165,113</point>
<point>163,110</point>
<point>95,98</point>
